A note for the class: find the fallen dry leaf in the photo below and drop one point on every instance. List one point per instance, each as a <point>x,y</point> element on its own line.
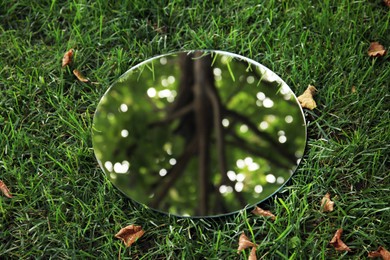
<point>376,49</point>
<point>67,59</point>
<point>244,242</point>
<point>338,244</point>
<point>252,255</point>
<point>5,189</point>
<point>353,89</point>
<point>326,203</point>
<point>80,76</point>
<point>387,2</point>
<point>261,212</point>
<point>306,99</point>
<point>130,234</point>
<point>380,252</point>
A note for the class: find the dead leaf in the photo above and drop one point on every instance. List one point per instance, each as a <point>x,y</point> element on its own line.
<point>376,49</point>
<point>130,234</point>
<point>67,59</point>
<point>5,190</point>
<point>306,99</point>
<point>387,2</point>
<point>380,252</point>
<point>244,242</point>
<point>338,244</point>
<point>252,255</point>
<point>80,76</point>
<point>353,88</point>
<point>326,203</point>
<point>261,212</point>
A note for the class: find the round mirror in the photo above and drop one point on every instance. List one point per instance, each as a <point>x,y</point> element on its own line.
<point>199,133</point>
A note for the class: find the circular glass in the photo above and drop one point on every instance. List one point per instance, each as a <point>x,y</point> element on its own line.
<point>199,133</point>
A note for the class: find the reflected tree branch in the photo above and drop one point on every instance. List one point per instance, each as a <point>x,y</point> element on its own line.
<point>173,175</point>
<point>262,135</point>
<point>243,145</point>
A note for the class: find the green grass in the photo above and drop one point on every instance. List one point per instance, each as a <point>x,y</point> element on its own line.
<point>64,206</point>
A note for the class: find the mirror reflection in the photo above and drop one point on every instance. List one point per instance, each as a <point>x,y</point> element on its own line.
<point>199,133</point>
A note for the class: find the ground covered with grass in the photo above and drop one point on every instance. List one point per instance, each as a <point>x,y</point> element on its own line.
<point>63,205</point>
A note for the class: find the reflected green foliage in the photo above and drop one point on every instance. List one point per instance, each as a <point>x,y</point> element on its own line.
<point>138,147</point>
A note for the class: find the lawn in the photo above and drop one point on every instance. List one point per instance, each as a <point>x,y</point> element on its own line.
<point>63,205</point>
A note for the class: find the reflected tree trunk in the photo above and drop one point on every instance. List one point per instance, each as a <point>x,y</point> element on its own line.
<point>199,109</point>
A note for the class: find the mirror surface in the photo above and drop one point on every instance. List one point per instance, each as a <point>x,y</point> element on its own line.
<point>200,133</point>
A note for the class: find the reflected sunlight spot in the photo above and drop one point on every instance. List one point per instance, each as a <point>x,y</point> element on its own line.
<point>270,118</point>
<point>282,139</point>
<point>163,61</point>
<point>270,178</point>
<point>253,167</point>
<point>172,161</point>
<point>250,79</point>
<point>164,82</point>
<point>225,122</point>
<point>248,160</point>
<point>281,132</point>
<point>224,59</point>
<point>298,160</point>
<point>240,177</point>
<point>284,90</point>
<point>123,108</point>
<point>168,148</point>
<point>288,119</point>
<point>121,167</point>
<point>124,133</point>
<point>263,125</point>
<point>164,93</point>
<point>270,76</point>
<point>243,128</point>
<point>110,116</point>
<point>151,92</point>
<point>113,176</point>
<point>258,189</point>
<point>108,166</point>
<point>239,186</point>
<point>240,163</point>
<point>171,79</point>
<point>287,97</point>
<point>298,154</point>
<point>231,175</point>
<point>163,172</point>
<point>217,72</point>
<point>268,103</point>
<point>260,96</point>
<point>223,189</point>
<point>259,103</point>
<point>280,180</point>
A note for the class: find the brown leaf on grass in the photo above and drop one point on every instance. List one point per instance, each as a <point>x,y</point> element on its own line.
<point>244,242</point>
<point>387,2</point>
<point>353,89</point>
<point>130,234</point>
<point>380,252</point>
<point>252,255</point>
<point>5,190</point>
<point>376,49</point>
<point>336,241</point>
<point>326,203</point>
<point>80,76</point>
<point>306,99</point>
<point>67,59</point>
<point>265,213</point>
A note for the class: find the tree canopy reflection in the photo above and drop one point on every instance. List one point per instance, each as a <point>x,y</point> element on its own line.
<point>198,133</point>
